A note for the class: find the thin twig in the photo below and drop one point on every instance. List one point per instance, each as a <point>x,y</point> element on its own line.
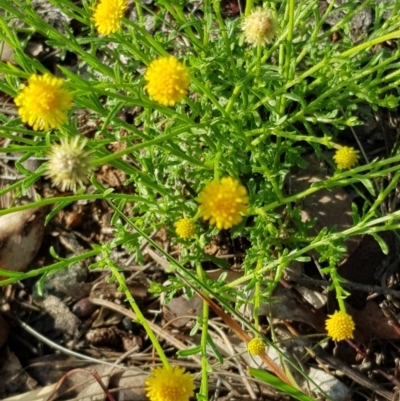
<point>60,348</point>
<point>350,285</point>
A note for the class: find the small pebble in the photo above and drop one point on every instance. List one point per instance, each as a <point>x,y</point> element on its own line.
<point>84,308</point>
<point>127,323</point>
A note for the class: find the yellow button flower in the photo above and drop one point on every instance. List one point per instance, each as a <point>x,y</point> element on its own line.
<point>168,81</point>
<point>259,27</point>
<point>256,346</point>
<point>170,384</point>
<point>340,326</point>
<point>222,202</point>
<point>69,163</point>
<point>43,102</point>
<point>185,228</point>
<point>108,14</point>
<point>346,157</point>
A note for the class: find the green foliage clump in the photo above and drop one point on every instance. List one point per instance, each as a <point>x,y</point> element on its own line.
<point>247,112</point>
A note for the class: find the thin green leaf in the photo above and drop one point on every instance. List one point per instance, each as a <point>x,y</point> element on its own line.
<point>279,385</point>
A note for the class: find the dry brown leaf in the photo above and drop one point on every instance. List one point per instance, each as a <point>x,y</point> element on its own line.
<point>13,378</point>
<point>21,234</point>
<point>367,264</point>
<point>131,385</point>
<point>372,323</point>
<point>41,394</point>
<point>182,306</point>
<point>84,384</point>
<point>289,307</point>
<point>330,208</point>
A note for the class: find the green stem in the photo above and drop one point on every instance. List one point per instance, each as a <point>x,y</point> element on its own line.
<point>134,50</point>
<point>374,226</point>
<point>338,290</point>
<point>204,334</point>
<point>235,94</point>
<point>216,163</point>
<point>74,198</point>
<point>289,39</point>
<point>141,319</point>
<point>259,56</point>
<point>139,11</point>
<point>325,62</point>
<point>286,73</point>
<point>17,276</point>
<point>249,7</point>
<point>180,17</point>
<point>382,196</point>
<point>227,41</point>
<point>257,294</point>
<point>113,156</point>
<point>266,132</point>
<point>208,17</point>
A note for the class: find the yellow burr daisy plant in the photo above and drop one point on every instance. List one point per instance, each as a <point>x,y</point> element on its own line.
<point>340,326</point>
<point>259,27</point>
<point>346,157</point>
<point>107,15</point>
<point>167,81</point>
<point>170,384</point>
<point>43,101</point>
<point>69,164</point>
<point>185,228</point>
<point>223,202</point>
<point>256,346</point>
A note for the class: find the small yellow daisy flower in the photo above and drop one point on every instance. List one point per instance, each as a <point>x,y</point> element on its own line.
<point>108,14</point>
<point>43,102</point>
<point>185,228</point>
<point>222,202</point>
<point>168,81</point>
<point>256,346</point>
<point>69,163</point>
<point>259,27</point>
<point>340,326</point>
<point>170,384</point>
<point>346,157</point>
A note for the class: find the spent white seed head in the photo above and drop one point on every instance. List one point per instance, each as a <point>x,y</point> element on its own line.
<point>69,164</point>
<point>259,27</point>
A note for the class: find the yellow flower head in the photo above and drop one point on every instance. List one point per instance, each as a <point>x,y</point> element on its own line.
<point>346,157</point>
<point>185,228</point>
<point>69,163</point>
<point>43,102</point>
<point>170,384</point>
<point>221,202</point>
<point>256,346</point>
<point>340,326</point>
<point>108,14</point>
<point>168,81</point>
<point>259,27</point>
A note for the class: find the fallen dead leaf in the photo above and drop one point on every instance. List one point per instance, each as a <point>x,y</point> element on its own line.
<point>41,394</point>
<point>182,306</point>
<point>131,385</point>
<point>372,323</point>
<point>21,234</point>
<point>330,208</point>
<point>289,307</point>
<point>13,378</point>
